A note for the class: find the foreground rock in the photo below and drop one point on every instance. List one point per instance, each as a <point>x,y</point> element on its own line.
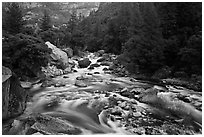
<point>13,95</point>
<point>84,63</point>
<point>39,123</point>
<point>167,102</point>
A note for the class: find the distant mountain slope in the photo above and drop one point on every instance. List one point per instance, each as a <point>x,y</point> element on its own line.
<point>59,11</point>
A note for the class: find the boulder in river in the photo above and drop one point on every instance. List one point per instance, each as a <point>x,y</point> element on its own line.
<point>13,95</point>
<point>69,52</point>
<point>58,54</point>
<point>84,63</point>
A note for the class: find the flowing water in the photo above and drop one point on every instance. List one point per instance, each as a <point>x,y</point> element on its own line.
<point>84,106</point>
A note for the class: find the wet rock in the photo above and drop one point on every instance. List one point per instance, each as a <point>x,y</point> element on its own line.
<point>123,104</point>
<point>82,77</point>
<point>96,72</point>
<point>125,92</point>
<point>65,76</point>
<point>37,133</point>
<point>106,56</point>
<point>80,83</point>
<point>184,98</point>
<point>198,105</point>
<point>137,91</point>
<point>69,51</point>
<point>106,63</point>
<point>137,97</point>
<point>91,67</point>
<point>187,99</point>
<point>59,84</point>
<point>26,85</point>
<point>101,59</point>
<point>51,71</point>
<point>53,126</point>
<point>94,65</point>
<point>117,111</point>
<point>107,94</point>
<point>89,74</point>
<point>67,70</point>
<point>126,107</point>
<point>105,69</point>
<point>84,63</point>
<point>149,96</point>
<point>74,70</point>
<point>101,52</point>
<point>47,83</point>
<point>137,114</point>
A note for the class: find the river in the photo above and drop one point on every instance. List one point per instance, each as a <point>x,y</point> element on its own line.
<point>104,105</point>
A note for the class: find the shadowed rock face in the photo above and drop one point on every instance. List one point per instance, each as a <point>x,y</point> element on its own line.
<point>13,97</point>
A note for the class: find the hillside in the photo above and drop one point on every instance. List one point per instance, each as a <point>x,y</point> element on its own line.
<point>60,12</point>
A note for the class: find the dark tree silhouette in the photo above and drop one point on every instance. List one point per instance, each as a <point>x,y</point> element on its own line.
<point>13,21</point>
<point>46,21</point>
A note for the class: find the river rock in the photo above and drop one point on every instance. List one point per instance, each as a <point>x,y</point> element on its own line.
<point>106,63</point>
<point>13,95</point>
<point>65,76</point>
<point>91,67</point>
<point>96,72</point>
<point>52,126</point>
<point>74,70</point>
<point>80,83</point>
<point>116,111</point>
<point>51,71</point>
<point>67,70</point>
<point>149,95</point>
<point>125,92</point>
<point>58,54</point>
<point>105,69</point>
<point>101,59</point>
<point>26,85</point>
<point>137,91</point>
<point>82,77</point>
<point>187,99</point>
<point>95,65</point>
<point>69,51</point>
<point>101,52</point>
<point>84,63</point>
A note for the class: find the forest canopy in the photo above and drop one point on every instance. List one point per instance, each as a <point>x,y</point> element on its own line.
<point>148,37</point>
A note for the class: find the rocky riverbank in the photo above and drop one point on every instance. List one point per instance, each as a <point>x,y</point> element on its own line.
<point>102,99</point>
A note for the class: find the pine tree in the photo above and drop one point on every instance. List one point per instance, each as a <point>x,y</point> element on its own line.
<point>13,21</point>
<point>73,21</point>
<point>46,21</point>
